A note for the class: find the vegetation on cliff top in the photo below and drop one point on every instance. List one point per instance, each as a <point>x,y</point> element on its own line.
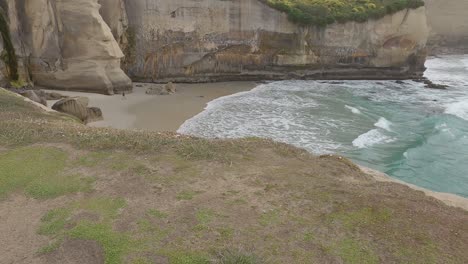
<point>324,12</point>
<point>95,195</point>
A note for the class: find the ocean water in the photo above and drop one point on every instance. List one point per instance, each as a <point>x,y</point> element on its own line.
<point>412,133</point>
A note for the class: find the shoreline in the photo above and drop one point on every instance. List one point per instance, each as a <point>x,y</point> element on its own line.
<point>142,111</point>
<point>449,199</point>
<point>159,113</point>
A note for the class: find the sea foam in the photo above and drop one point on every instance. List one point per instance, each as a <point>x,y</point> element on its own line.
<point>354,110</point>
<point>371,138</point>
<point>384,123</point>
<point>459,109</point>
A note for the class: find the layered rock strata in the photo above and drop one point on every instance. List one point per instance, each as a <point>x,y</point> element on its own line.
<point>207,40</point>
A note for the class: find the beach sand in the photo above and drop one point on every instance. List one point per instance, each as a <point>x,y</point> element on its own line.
<point>158,112</point>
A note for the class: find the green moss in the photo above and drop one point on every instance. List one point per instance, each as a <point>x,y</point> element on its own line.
<point>18,83</point>
<point>324,12</point>
<point>114,244</point>
<point>39,171</point>
<point>9,55</point>
<point>129,49</point>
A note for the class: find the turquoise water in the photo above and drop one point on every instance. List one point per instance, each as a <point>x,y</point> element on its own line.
<point>412,133</point>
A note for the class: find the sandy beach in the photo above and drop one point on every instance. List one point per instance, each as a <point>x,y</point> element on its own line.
<point>139,110</point>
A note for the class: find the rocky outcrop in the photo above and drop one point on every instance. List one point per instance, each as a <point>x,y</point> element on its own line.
<point>78,107</point>
<point>209,40</point>
<point>448,22</point>
<point>68,45</point>
<point>35,96</point>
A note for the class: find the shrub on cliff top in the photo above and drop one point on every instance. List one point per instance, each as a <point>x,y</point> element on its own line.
<point>324,12</point>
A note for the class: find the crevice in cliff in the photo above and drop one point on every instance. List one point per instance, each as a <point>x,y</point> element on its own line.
<point>8,55</point>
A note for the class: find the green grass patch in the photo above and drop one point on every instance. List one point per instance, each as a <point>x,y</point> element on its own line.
<point>59,223</point>
<point>187,195</point>
<point>270,217</point>
<point>54,221</point>
<point>114,244</point>
<point>236,257</point>
<point>92,159</point>
<point>108,208</point>
<point>324,12</point>
<point>354,252</point>
<point>50,247</point>
<point>226,232</point>
<point>59,185</point>
<point>362,218</point>
<point>180,257</point>
<point>39,172</point>
<point>156,213</point>
<point>204,216</point>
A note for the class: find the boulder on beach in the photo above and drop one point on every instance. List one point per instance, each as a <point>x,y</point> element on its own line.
<point>167,89</point>
<point>94,114</point>
<point>170,88</point>
<point>78,107</point>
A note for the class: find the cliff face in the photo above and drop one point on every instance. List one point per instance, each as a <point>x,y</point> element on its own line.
<point>67,45</point>
<point>448,22</point>
<point>77,45</point>
<point>217,40</point>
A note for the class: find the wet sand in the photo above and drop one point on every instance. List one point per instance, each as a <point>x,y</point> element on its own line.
<point>158,112</point>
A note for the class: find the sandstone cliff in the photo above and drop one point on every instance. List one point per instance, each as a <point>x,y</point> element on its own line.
<point>76,45</point>
<point>448,22</point>
<point>211,40</point>
<point>67,45</point>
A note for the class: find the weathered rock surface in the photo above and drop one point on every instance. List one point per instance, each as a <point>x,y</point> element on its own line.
<point>448,22</point>
<point>209,40</point>
<point>54,96</point>
<point>68,45</point>
<point>78,107</point>
<point>76,45</point>
<point>36,96</point>
<point>166,89</point>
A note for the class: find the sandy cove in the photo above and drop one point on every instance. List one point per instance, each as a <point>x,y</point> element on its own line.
<point>139,110</point>
<point>168,112</point>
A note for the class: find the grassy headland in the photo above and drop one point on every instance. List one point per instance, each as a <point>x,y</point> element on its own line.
<point>94,195</point>
<point>324,12</point>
